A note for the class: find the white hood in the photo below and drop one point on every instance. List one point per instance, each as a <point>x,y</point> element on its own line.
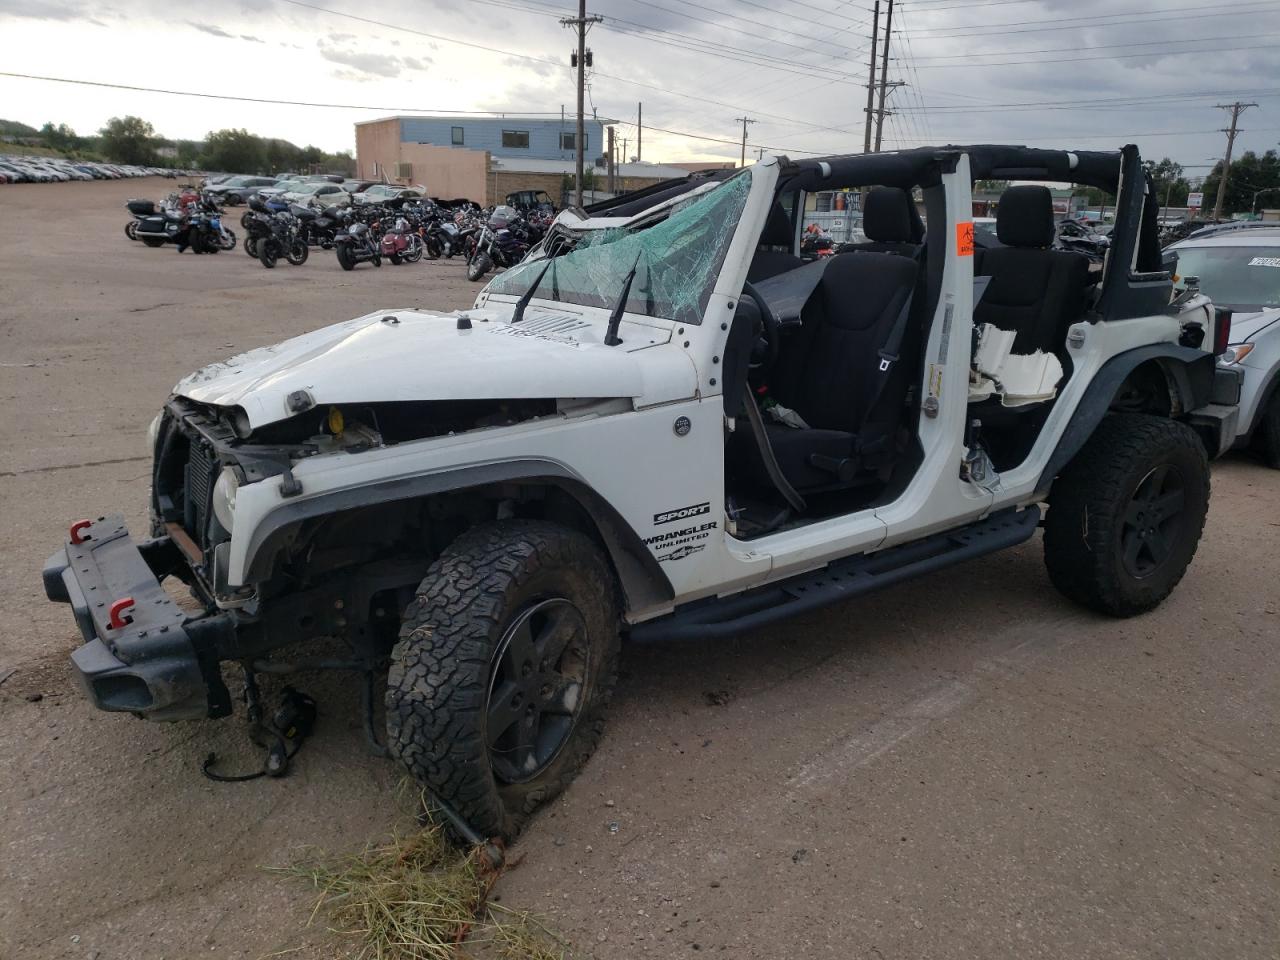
<point>1245,326</point>
<point>399,355</point>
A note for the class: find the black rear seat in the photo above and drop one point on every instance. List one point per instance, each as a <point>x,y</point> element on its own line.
<point>1034,291</point>
<point>891,222</point>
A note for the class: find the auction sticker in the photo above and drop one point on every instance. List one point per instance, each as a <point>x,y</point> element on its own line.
<point>964,239</point>
<point>1265,262</point>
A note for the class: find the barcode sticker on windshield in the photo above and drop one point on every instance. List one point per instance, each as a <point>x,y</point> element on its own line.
<point>1265,262</point>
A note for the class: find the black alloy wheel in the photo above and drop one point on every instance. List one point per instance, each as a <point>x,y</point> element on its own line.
<point>1153,521</point>
<point>535,692</point>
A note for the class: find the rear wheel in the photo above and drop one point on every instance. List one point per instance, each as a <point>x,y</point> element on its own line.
<point>269,252</point>
<point>131,229</point>
<point>1126,515</point>
<point>1268,435</point>
<point>251,246</point>
<point>153,241</point>
<point>506,661</point>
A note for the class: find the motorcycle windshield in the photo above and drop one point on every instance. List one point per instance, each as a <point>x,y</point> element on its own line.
<point>677,260</point>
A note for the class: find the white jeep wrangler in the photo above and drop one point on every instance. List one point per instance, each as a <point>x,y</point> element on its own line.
<point>664,423</point>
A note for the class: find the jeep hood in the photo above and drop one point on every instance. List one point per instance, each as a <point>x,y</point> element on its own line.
<point>406,355</point>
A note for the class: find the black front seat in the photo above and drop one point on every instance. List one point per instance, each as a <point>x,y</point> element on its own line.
<point>777,241</point>
<point>830,374</point>
<point>891,222</point>
<point>1034,291</point>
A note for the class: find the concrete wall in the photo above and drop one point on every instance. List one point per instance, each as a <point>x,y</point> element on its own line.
<point>377,148</point>
<point>485,133</point>
<point>447,173</point>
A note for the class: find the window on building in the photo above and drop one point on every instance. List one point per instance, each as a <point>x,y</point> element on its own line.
<point>824,203</point>
<point>568,141</point>
<point>457,136</point>
<point>517,139</point>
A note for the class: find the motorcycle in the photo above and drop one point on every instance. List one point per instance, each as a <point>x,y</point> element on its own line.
<point>272,235</point>
<point>502,242</point>
<point>357,245</point>
<point>320,228</point>
<point>196,224</point>
<point>401,244</point>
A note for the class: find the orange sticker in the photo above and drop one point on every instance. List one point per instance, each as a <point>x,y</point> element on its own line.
<point>964,239</point>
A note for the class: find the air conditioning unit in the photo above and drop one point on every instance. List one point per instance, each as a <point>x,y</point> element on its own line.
<point>602,161</point>
<point>404,171</point>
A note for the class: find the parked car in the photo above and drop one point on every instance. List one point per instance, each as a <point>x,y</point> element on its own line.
<point>327,194</point>
<point>1239,269</point>
<point>358,186</point>
<point>626,435</point>
<point>382,192</point>
<point>237,190</point>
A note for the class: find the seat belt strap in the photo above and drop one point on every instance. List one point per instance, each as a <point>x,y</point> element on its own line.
<point>784,487</point>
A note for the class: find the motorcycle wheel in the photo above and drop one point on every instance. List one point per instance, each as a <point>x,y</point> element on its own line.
<point>414,253</point>
<point>245,218</point>
<point>131,229</point>
<point>227,240</point>
<point>478,266</point>
<point>153,241</point>
<point>298,253</point>
<point>234,200</point>
<point>377,260</point>
<point>268,252</point>
<point>251,247</point>
<point>394,258</point>
<point>344,257</point>
<point>432,249</point>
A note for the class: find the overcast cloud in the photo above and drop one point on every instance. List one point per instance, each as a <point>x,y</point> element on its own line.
<point>1087,74</point>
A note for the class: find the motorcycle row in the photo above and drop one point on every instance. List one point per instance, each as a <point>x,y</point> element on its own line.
<point>400,231</point>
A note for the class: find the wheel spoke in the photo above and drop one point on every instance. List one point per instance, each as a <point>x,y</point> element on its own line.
<point>1135,513</point>
<point>1132,547</point>
<point>560,627</point>
<point>502,714</point>
<point>525,756</point>
<point>563,694</point>
<point>520,647</point>
<point>1157,545</point>
<point>1168,504</point>
<point>1156,483</point>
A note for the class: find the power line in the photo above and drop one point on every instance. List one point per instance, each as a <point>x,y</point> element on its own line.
<point>1096,47</point>
<point>1096,102</point>
<point>1075,23</point>
<point>1105,56</point>
<point>285,103</point>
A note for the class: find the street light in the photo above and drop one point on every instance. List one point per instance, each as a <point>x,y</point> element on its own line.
<point>1253,208</point>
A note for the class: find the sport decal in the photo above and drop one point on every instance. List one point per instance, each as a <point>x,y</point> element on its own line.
<point>684,513</point>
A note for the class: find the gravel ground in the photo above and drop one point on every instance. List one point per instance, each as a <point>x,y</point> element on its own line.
<point>964,766</point>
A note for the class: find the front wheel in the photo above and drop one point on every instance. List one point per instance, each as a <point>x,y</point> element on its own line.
<point>298,252</point>
<point>251,247</point>
<point>131,229</point>
<point>1268,434</point>
<point>269,252</point>
<point>343,254</point>
<point>478,266</point>
<point>227,239</point>
<point>1126,515</point>
<point>505,664</point>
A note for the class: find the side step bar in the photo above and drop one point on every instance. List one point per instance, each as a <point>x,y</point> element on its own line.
<point>840,580</point>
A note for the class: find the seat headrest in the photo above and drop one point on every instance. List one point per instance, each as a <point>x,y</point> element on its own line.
<point>1025,217</point>
<point>778,231</point>
<point>891,217</point>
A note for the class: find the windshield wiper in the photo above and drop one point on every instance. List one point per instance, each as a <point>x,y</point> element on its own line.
<point>518,314</point>
<point>615,318</point>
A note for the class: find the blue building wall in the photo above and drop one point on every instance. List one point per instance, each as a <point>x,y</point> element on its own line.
<point>485,133</point>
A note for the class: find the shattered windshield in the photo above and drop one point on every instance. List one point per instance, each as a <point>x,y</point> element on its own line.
<point>677,260</point>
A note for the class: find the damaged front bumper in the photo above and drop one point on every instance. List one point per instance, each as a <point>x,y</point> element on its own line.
<point>143,654</point>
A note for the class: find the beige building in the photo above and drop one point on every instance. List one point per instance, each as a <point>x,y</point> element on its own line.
<point>455,164</point>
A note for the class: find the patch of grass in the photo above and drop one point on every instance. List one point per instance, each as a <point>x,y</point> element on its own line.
<point>419,897</point>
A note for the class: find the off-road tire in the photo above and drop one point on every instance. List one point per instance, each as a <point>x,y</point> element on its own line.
<point>1267,438</point>
<point>442,668</point>
<point>1089,521</point>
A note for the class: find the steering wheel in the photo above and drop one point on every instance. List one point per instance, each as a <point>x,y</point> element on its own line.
<point>764,351</point>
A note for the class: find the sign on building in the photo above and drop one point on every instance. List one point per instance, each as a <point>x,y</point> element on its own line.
<point>1195,200</point>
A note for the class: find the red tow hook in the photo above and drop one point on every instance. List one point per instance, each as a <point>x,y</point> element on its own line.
<point>116,609</point>
<point>76,528</point>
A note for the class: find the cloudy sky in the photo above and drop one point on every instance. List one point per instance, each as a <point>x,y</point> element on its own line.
<point>1082,73</point>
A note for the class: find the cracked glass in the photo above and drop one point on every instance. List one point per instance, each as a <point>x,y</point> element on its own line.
<point>676,259</point>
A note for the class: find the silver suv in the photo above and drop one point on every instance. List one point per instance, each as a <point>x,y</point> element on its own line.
<point>1240,271</point>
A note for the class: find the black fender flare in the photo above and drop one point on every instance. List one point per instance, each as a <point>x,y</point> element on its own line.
<point>1189,373</point>
<point>642,579</point>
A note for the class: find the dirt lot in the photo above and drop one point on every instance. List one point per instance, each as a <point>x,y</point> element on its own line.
<point>967,766</point>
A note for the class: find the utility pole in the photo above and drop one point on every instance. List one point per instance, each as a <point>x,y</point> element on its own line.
<point>582,23</point>
<point>884,75</point>
<point>745,121</point>
<point>871,77</point>
<point>611,163</point>
<point>1236,109</point>
<point>639,132</point>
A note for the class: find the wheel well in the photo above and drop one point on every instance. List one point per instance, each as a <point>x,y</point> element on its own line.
<point>423,526</point>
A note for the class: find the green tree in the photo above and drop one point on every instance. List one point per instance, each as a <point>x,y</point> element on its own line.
<point>234,151</point>
<point>1171,186</point>
<point>61,137</point>
<point>1253,178</point>
<point>128,140</point>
